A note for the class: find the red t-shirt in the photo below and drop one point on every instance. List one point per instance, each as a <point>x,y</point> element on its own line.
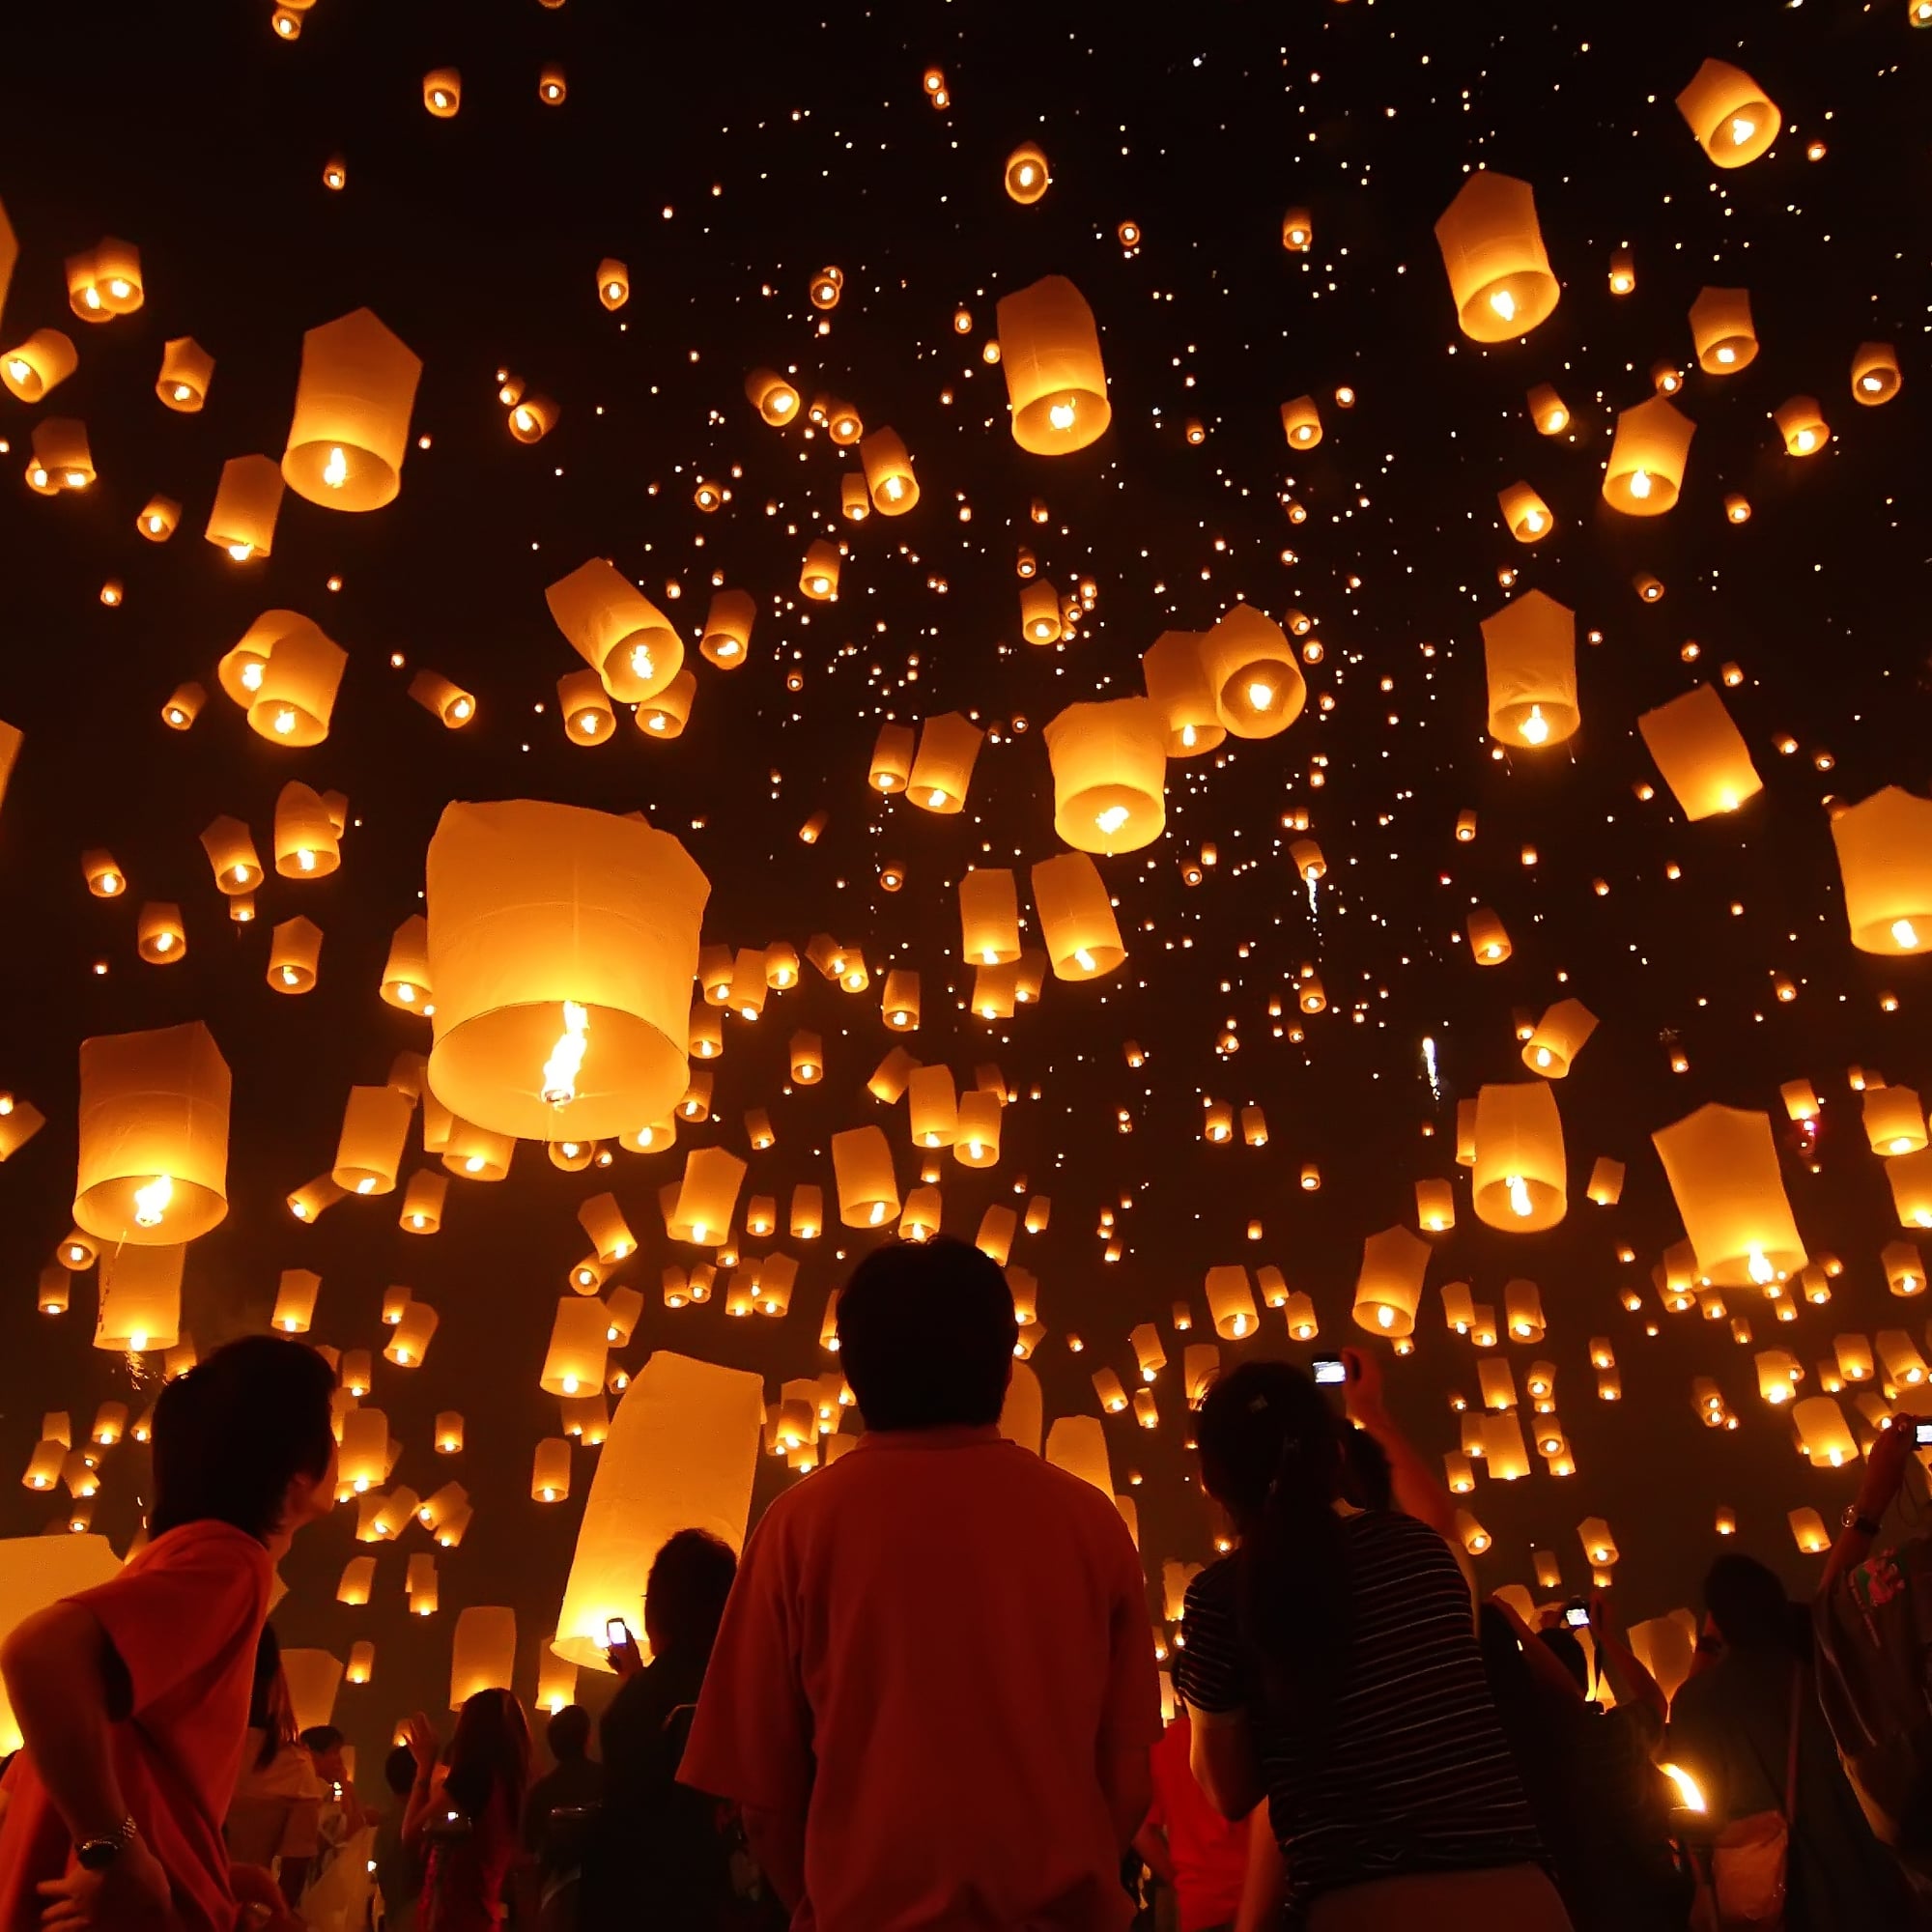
<point>185,1615</point>
<point>1210,1853</point>
<point>927,1645</point>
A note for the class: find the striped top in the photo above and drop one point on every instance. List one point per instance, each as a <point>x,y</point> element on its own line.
<point>1409,1770</point>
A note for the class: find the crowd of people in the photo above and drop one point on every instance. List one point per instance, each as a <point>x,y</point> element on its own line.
<point>927,1697</point>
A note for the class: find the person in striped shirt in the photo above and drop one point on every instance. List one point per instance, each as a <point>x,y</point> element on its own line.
<point>1332,1669</point>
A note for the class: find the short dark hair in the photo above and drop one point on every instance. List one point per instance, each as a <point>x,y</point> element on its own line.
<point>232,1433</point>
<point>927,1334</point>
<point>683,1595</point>
<point>322,1738</point>
<point>1748,1602</point>
<point>568,1732</point>
<point>1567,1648</point>
<point>399,1769</point>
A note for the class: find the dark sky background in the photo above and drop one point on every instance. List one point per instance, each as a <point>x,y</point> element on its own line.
<point>727,155</point>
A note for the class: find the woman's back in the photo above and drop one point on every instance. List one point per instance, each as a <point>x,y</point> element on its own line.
<point>1392,1761</point>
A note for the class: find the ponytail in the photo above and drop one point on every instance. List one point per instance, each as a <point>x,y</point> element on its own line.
<point>1271,1452</point>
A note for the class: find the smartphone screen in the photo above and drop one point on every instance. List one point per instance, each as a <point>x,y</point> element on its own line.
<point>1330,1369</point>
<point>1922,1434</point>
<point>1576,1617</point>
<point>616,1632</point>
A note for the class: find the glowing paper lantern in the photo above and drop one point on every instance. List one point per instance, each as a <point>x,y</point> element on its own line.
<point>1529,650</point>
<point>104,281</point>
<point>1231,1303</point>
<point>727,628</point>
<point>1722,1168</point>
<point>158,519</point>
<point>1700,753</point>
<point>1488,941</point>
<point>1078,1444</point>
<point>1606,1181</point>
<point>293,697</point>
<point>352,417</point>
<point>943,768</point>
<point>989,917</point>
<point>186,369</point>
<point>1388,1285</point>
<point>1558,1039</point>
<point>1434,1205</point>
<point>1249,665</point>
<point>62,458</point>
<point>140,1299</point>
<point>1026,174</point>
<point>1721,331</point>
<point>295,1301</point>
<point>861,1165</point>
<point>603,1220</point>
<point>1875,377</point>
<point>1176,682</point>
<point>443,92</point>
<point>706,1199</point>
<point>772,396</point>
<point>230,854</point>
<point>561,946</point>
<point>1894,1121</point>
<point>1910,1176</point>
<point>375,1126</point>
<point>889,478</point>
<point>818,574</point>
<point>616,630</point>
<point>1518,1181</point>
<point>1802,425</point>
<point>579,1344</point>
<point>1645,469</point>
<point>305,839</point>
<point>891,759</point>
<point>1076,919</point>
<point>1109,764</point>
<point>1526,515</point>
<point>294,954</point>
<point>1301,423</point>
<point>1493,249</point>
<point>1040,611</point>
<point>483,1655</point>
<point>1050,351</point>
<point>1809,1531</point>
<point>586,708</point>
<point>1827,1443</point>
<point>37,1572</point>
<point>1884,859</point>
<point>1727,111</point>
<point>682,1453</point>
<point>154,1136</point>
<point>44,362</point>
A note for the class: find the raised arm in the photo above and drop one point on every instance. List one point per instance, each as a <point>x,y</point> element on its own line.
<point>1884,1474</point>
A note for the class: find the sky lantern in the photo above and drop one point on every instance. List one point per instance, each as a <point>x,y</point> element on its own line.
<point>1885,863</point>
<point>1520,1182</point>
<point>818,574</point>
<point>727,628</point>
<point>1721,1164</point>
<point>1177,681</point>
<point>989,917</point>
<point>1076,917</point>
<point>574,1363</point>
<point>1727,111</point>
<point>1894,1119</point>
<point>889,478</point>
<point>294,955</point>
<point>1026,175</point>
<point>1489,939</point>
<point>247,499</point>
<point>104,281</point>
<point>1492,248</point>
<point>942,769</point>
<point>293,697</point>
<point>306,836</point>
<point>614,282</point>
<point>63,458</point>
<point>1527,517</point>
<point>1802,425</point>
<point>773,398</point>
<point>1109,766</point>
<point>561,946</point>
<point>1250,667</point>
<point>375,1128</point>
<point>154,1136</point>
<point>1050,351</point>
<point>1700,753</point>
<point>352,419</point>
<point>1875,377</point>
<point>31,369</point>
<point>1721,331</point>
<point>449,704</point>
<point>1645,469</point>
<point>1301,423</point>
<point>861,1163</point>
<point>1559,1038</point>
<point>443,92</point>
<point>1529,651</point>
<point>1388,1285</point>
<point>1231,1303</point>
<point>140,1297</point>
<point>616,630</point>
<point>186,369</point>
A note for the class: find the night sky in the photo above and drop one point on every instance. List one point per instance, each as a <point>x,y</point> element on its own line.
<point>727,156</point>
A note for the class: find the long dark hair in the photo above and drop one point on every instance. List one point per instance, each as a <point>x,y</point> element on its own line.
<point>490,1753</point>
<point>1273,1454</point>
<point>269,1708</point>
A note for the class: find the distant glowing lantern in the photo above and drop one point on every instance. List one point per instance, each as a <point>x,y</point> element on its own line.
<point>40,363</point>
<point>889,478</point>
<point>616,630</point>
<point>942,770</point>
<point>1529,651</point>
<point>1077,925</point>
<point>1721,330</point>
<point>1026,175</point>
<point>1109,761</point>
<point>1875,377</point>
<point>1249,665</point>
<point>1518,1181</point>
<point>1700,753</point>
<point>443,92</point>
<point>351,429</point>
<point>1558,1039</point>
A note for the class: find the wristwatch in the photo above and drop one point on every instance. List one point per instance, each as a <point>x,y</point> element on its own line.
<point>1852,1519</point>
<point>98,1854</point>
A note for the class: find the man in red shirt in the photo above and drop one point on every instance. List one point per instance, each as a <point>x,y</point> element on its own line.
<point>934,1690</point>
<point>132,1697</point>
